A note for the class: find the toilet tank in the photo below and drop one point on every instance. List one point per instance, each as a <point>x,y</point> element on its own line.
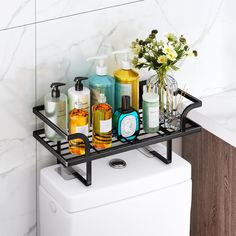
<point>146,198</point>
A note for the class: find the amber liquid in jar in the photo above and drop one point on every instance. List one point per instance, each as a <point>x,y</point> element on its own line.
<point>102,126</point>
<point>78,123</point>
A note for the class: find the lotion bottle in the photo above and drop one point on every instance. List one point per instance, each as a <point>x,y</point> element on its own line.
<point>126,81</point>
<point>79,94</point>
<point>101,82</point>
<point>150,112</point>
<point>55,104</point>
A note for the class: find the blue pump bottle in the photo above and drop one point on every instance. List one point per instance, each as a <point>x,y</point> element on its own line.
<point>126,121</point>
<point>101,82</point>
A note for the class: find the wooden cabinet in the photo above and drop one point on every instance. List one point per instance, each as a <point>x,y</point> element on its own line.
<point>214,184</point>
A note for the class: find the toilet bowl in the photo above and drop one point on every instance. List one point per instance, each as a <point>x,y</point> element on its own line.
<point>144,198</point>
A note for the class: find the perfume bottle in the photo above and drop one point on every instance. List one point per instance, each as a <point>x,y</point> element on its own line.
<point>126,121</point>
<point>102,123</point>
<point>78,123</point>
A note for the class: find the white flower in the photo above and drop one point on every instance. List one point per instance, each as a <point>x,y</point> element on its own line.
<point>162,59</point>
<point>167,49</point>
<point>171,37</point>
<point>137,49</point>
<point>172,55</point>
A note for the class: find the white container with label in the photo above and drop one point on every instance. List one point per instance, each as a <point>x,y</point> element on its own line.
<point>150,112</point>
<point>79,94</point>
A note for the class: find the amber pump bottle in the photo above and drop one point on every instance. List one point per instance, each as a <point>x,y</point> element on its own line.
<point>102,124</point>
<point>126,81</point>
<point>78,123</point>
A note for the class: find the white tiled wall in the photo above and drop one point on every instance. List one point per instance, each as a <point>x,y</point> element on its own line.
<point>65,34</point>
<point>16,13</point>
<point>17,147</point>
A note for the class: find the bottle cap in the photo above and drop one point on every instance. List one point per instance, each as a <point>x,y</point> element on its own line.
<point>55,89</point>
<point>150,97</point>
<point>78,83</point>
<point>101,68</point>
<point>125,60</point>
<point>125,102</point>
<point>102,98</point>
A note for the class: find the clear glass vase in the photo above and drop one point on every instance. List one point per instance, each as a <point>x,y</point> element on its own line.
<point>172,115</point>
<point>154,85</point>
<point>167,89</point>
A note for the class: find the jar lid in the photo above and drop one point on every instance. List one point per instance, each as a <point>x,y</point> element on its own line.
<point>150,97</point>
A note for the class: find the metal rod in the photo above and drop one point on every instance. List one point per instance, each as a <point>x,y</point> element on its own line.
<point>169,151</point>
<point>127,147</point>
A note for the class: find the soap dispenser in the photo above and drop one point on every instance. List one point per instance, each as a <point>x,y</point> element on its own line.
<point>79,94</point>
<point>55,104</point>
<point>101,82</point>
<point>126,80</point>
<point>126,121</point>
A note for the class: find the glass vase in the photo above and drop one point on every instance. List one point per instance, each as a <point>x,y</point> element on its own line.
<point>157,85</point>
<point>172,115</point>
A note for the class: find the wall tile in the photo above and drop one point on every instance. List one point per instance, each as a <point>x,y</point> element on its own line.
<point>64,44</point>
<point>17,12</point>
<point>49,9</point>
<point>17,147</point>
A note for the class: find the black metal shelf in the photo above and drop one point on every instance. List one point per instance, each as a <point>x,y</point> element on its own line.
<point>61,152</point>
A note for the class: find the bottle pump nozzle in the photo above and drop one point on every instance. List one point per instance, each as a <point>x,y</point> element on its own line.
<point>125,59</point>
<point>78,83</point>
<point>101,68</point>
<point>55,89</point>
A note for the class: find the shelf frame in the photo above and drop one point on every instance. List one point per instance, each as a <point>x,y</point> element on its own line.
<point>187,127</point>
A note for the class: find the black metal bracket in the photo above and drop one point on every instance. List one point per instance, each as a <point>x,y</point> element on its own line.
<point>88,180</point>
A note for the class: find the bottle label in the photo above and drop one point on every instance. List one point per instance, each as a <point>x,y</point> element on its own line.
<point>128,126</point>
<point>82,99</point>
<point>153,117</point>
<point>121,90</point>
<point>105,126</point>
<point>82,129</point>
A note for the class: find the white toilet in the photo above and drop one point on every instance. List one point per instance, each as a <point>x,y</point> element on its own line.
<point>146,198</point>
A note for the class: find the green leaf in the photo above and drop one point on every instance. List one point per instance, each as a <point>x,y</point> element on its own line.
<point>174,67</point>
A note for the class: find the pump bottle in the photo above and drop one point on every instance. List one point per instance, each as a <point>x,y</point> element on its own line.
<point>126,81</point>
<point>55,104</point>
<point>101,82</point>
<point>79,94</point>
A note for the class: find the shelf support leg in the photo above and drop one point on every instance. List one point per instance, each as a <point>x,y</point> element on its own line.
<point>58,150</point>
<point>169,152</point>
<point>168,158</point>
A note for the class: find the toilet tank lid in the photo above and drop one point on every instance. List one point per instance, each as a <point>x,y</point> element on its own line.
<point>141,175</point>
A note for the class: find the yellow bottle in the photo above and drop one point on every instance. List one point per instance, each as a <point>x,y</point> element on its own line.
<point>126,82</point>
<point>102,124</point>
<point>78,123</point>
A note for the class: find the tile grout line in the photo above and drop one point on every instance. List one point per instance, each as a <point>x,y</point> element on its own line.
<point>71,15</point>
<point>36,145</point>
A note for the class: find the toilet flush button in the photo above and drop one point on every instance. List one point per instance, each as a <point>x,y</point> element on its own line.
<point>117,163</point>
<point>53,207</point>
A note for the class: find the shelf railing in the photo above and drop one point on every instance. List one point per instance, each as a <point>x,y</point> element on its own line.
<point>60,149</point>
